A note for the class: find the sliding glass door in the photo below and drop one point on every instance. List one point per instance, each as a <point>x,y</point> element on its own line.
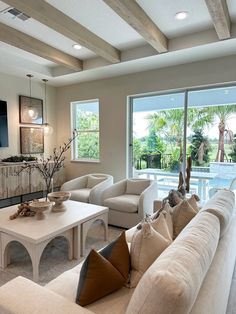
<point>167,129</point>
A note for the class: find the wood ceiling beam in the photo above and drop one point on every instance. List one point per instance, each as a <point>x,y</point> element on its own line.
<point>25,42</point>
<point>220,17</point>
<point>135,16</point>
<point>48,15</point>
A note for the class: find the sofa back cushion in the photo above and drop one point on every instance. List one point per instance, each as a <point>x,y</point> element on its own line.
<point>222,204</point>
<point>172,282</point>
<point>136,186</point>
<point>94,180</point>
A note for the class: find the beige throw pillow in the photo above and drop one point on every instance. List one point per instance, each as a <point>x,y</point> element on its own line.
<point>166,211</point>
<point>92,181</point>
<point>147,244</point>
<point>182,214</point>
<point>136,186</point>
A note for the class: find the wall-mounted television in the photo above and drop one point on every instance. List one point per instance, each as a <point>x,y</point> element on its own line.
<point>3,124</point>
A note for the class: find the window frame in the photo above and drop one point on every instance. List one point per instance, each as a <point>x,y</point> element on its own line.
<point>74,146</point>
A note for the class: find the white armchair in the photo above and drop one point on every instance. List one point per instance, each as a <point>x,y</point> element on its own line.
<point>88,188</point>
<point>129,201</point>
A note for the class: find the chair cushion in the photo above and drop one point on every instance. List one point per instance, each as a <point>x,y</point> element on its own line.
<point>125,203</point>
<point>104,272</point>
<point>93,180</point>
<point>81,195</point>
<point>147,244</point>
<point>136,186</point>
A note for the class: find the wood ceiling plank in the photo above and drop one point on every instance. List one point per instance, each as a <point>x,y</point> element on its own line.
<point>135,16</point>
<point>220,17</point>
<point>48,15</point>
<point>25,42</point>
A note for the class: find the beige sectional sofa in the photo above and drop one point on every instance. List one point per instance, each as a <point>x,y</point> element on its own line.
<point>193,275</point>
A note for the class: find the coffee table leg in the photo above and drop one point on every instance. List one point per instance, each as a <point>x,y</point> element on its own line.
<point>77,242</point>
<point>86,226</point>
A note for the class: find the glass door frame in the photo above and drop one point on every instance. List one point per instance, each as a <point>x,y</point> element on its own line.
<point>186,92</point>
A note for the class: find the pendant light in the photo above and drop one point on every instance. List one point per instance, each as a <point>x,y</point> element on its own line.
<point>32,112</point>
<point>46,126</point>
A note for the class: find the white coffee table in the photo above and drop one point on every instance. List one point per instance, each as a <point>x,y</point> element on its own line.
<point>34,235</point>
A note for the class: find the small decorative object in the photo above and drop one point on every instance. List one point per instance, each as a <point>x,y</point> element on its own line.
<point>31,140</point>
<point>20,158</point>
<point>31,109</point>
<point>49,166</point>
<point>184,179</point>
<point>39,207</point>
<point>59,198</point>
<point>24,210</point>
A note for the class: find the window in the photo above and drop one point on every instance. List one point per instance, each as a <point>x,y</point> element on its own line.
<point>168,128</point>
<point>85,119</point>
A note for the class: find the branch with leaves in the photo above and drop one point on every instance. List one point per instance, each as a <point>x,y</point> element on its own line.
<point>49,166</point>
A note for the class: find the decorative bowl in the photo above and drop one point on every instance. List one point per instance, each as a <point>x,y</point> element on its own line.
<point>58,198</point>
<point>39,207</point>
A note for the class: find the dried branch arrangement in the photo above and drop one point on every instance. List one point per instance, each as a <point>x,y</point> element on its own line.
<point>49,166</point>
<point>23,211</point>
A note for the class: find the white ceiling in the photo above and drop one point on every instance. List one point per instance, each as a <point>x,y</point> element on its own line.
<point>190,40</point>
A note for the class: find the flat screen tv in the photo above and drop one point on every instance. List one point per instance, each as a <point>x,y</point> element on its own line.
<point>3,124</point>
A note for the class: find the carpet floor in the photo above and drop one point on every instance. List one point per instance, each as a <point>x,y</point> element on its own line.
<point>54,260</point>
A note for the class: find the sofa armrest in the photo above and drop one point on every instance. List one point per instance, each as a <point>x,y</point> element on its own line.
<point>116,189</point>
<point>23,296</point>
<point>146,200</point>
<point>75,184</point>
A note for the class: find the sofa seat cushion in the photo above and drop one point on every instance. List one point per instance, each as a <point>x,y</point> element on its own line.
<point>114,303</point>
<point>172,282</point>
<point>222,204</point>
<point>66,284</point>
<point>124,203</point>
<point>81,195</point>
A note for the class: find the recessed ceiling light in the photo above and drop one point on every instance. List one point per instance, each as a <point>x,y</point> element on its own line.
<point>76,46</point>
<point>181,15</point>
<point>226,91</point>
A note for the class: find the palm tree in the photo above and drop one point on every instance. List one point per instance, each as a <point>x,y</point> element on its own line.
<point>208,115</point>
<point>170,123</point>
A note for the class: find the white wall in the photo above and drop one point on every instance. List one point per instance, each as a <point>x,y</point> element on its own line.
<point>113,93</point>
<point>10,89</point>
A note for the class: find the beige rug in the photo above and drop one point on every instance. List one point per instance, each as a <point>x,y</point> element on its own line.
<point>54,259</point>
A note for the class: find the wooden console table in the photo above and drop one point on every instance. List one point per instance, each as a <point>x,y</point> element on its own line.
<point>29,181</point>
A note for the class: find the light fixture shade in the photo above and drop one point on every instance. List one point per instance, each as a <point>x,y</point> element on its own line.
<point>32,112</point>
<point>47,128</point>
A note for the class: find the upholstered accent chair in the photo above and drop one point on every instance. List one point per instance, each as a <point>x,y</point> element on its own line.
<point>129,201</point>
<point>88,188</point>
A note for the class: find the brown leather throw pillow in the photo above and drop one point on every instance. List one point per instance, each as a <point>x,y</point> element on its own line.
<point>104,272</point>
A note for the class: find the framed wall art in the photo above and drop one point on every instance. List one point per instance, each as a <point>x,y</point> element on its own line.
<point>30,110</point>
<point>31,140</point>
